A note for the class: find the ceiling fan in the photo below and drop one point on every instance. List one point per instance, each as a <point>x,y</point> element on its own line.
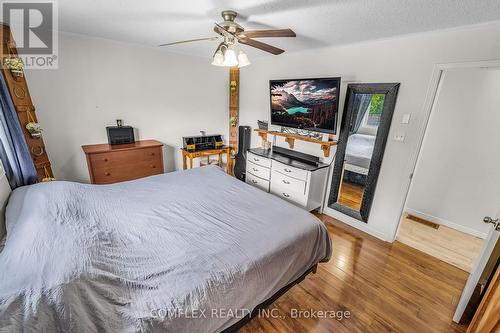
<point>231,34</point>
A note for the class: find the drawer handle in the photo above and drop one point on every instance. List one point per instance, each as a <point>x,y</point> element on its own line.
<point>287,170</point>
<point>286,195</point>
<point>152,154</point>
<point>255,169</point>
<point>105,160</point>
<point>254,181</point>
<point>286,182</point>
<point>153,166</point>
<point>256,159</point>
<point>107,174</point>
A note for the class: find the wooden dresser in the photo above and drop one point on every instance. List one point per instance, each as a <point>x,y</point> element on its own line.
<point>117,163</point>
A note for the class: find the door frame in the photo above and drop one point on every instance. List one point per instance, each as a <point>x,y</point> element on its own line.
<point>432,94</point>
<point>430,100</point>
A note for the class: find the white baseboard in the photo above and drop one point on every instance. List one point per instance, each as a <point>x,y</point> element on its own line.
<point>356,224</point>
<point>447,223</point>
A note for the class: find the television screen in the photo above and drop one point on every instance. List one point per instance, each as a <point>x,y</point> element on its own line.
<point>308,104</point>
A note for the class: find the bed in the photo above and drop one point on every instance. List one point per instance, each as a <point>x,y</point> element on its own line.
<point>359,152</point>
<point>191,251</point>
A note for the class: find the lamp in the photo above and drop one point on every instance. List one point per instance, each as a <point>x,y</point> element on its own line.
<point>243,59</point>
<point>230,59</point>
<point>225,56</point>
<point>218,58</point>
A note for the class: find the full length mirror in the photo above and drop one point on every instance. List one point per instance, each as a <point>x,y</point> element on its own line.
<point>365,126</point>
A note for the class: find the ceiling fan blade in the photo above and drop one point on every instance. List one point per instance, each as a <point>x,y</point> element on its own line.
<point>190,40</point>
<point>267,33</point>
<point>261,46</point>
<point>224,31</point>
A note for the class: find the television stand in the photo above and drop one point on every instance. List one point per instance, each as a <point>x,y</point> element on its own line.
<point>293,176</point>
<point>290,139</point>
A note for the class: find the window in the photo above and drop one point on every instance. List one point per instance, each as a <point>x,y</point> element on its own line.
<point>372,117</point>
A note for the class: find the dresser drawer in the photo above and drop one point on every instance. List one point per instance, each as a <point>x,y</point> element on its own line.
<point>258,170</point>
<point>287,183</point>
<point>118,158</point>
<point>290,171</point>
<point>257,182</point>
<point>286,193</point>
<point>256,159</point>
<point>121,173</point>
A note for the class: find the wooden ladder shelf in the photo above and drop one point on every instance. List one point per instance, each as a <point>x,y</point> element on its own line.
<point>290,139</point>
<point>21,98</point>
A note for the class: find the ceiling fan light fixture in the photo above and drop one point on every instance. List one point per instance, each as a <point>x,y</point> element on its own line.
<point>218,58</point>
<point>243,59</point>
<point>230,59</point>
<point>230,34</point>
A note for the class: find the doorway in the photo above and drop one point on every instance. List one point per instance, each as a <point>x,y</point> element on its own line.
<point>455,180</point>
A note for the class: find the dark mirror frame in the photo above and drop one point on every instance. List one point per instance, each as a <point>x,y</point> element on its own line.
<point>390,90</point>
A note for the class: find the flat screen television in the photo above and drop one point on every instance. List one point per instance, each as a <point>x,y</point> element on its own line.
<point>308,104</point>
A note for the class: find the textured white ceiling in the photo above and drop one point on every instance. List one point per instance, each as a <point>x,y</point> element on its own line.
<point>316,22</point>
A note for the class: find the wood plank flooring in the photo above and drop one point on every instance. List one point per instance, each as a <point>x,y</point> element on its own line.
<point>452,246</point>
<point>351,195</point>
<point>385,287</point>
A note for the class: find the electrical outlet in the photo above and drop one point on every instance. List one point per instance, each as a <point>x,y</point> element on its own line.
<point>399,137</point>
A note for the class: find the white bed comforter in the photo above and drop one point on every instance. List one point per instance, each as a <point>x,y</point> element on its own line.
<point>146,255</point>
<point>359,150</point>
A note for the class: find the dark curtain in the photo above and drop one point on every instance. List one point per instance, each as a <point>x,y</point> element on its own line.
<point>361,104</point>
<point>14,151</point>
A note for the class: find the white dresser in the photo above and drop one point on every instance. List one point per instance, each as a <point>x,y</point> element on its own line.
<point>295,181</point>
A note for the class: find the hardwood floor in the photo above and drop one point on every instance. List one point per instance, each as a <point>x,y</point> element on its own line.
<point>351,195</point>
<point>385,287</point>
<point>452,246</point>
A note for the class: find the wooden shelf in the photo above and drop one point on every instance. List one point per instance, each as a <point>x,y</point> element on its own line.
<point>290,139</point>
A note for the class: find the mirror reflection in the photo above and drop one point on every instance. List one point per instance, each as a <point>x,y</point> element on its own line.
<point>367,110</point>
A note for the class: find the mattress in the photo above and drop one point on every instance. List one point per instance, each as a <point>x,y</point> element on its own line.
<point>359,150</point>
<point>190,251</point>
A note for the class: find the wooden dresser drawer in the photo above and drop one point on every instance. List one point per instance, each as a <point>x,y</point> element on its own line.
<point>124,172</point>
<point>259,171</point>
<point>290,171</point>
<point>117,158</point>
<point>256,159</point>
<point>111,164</point>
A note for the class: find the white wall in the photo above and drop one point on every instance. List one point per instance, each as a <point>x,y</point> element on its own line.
<point>409,60</point>
<point>456,180</point>
<point>165,96</point>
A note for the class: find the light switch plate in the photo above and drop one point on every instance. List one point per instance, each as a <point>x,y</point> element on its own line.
<point>406,118</point>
